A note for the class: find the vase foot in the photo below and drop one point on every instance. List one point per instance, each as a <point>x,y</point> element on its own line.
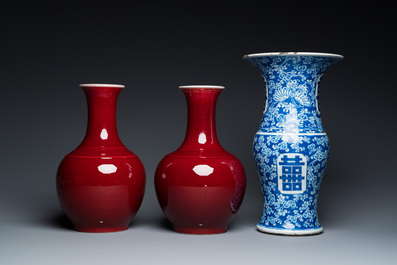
<point>101,230</point>
<point>200,231</point>
<point>305,232</point>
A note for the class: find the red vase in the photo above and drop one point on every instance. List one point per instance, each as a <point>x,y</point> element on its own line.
<point>200,186</point>
<point>101,183</point>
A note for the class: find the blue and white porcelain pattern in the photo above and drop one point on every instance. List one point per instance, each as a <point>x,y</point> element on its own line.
<point>291,147</point>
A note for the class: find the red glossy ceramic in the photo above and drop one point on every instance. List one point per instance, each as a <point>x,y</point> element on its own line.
<point>200,186</point>
<point>101,183</point>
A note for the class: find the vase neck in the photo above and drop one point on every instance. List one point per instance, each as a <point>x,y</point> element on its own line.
<point>201,130</point>
<point>101,127</point>
<point>292,91</point>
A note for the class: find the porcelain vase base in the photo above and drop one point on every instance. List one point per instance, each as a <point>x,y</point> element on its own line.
<point>101,230</point>
<point>289,232</point>
<point>200,231</point>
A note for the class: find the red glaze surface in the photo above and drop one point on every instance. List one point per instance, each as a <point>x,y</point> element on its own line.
<point>101,183</point>
<point>200,186</point>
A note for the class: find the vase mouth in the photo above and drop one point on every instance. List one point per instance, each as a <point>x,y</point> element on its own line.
<point>102,85</point>
<point>201,87</point>
<point>269,54</point>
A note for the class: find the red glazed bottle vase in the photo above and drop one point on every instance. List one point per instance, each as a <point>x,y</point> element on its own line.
<point>200,186</point>
<point>101,183</point>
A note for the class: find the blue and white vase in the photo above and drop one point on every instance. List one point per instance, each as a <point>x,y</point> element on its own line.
<point>291,147</point>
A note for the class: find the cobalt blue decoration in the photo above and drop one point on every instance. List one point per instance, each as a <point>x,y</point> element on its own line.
<point>291,147</point>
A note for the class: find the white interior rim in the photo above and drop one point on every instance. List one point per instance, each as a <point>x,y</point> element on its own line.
<point>101,85</point>
<point>320,54</point>
<point>202,86</point>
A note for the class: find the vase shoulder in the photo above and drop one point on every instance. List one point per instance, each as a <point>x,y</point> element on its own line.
<point>115,152</point>
<point>220,153</point>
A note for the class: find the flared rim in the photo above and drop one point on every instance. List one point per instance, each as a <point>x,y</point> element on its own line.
<point>268,54</point>
<point>201,86</point>
<point>101,85</point>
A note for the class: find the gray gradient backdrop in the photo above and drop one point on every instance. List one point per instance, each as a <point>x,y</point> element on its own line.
<point>49,48</point>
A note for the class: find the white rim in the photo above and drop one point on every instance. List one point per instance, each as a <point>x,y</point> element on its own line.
<point>202,86</point>
<point>101,85</point>
<point>292,54</point>
<point>290,232</point>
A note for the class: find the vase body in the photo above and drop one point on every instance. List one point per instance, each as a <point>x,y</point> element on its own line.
<point>200,186</point>
<point>291,147</point>
<point>101,183</point>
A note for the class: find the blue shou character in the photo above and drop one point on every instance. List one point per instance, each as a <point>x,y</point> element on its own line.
<point>291,173</point>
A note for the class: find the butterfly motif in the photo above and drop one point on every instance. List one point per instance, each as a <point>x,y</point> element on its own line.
<point>292,94</point>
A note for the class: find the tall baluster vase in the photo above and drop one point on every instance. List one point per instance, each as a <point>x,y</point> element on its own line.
<point>291,147</point>
<point>200,186</point>
<point>101,183</point>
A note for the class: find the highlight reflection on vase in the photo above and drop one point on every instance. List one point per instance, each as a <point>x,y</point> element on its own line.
<point>291,147</point>
<point>200,186</point>
<point>101,183</point>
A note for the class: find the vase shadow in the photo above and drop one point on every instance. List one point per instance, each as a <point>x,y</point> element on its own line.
<point>163,224</point>
<point>60,221</point>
